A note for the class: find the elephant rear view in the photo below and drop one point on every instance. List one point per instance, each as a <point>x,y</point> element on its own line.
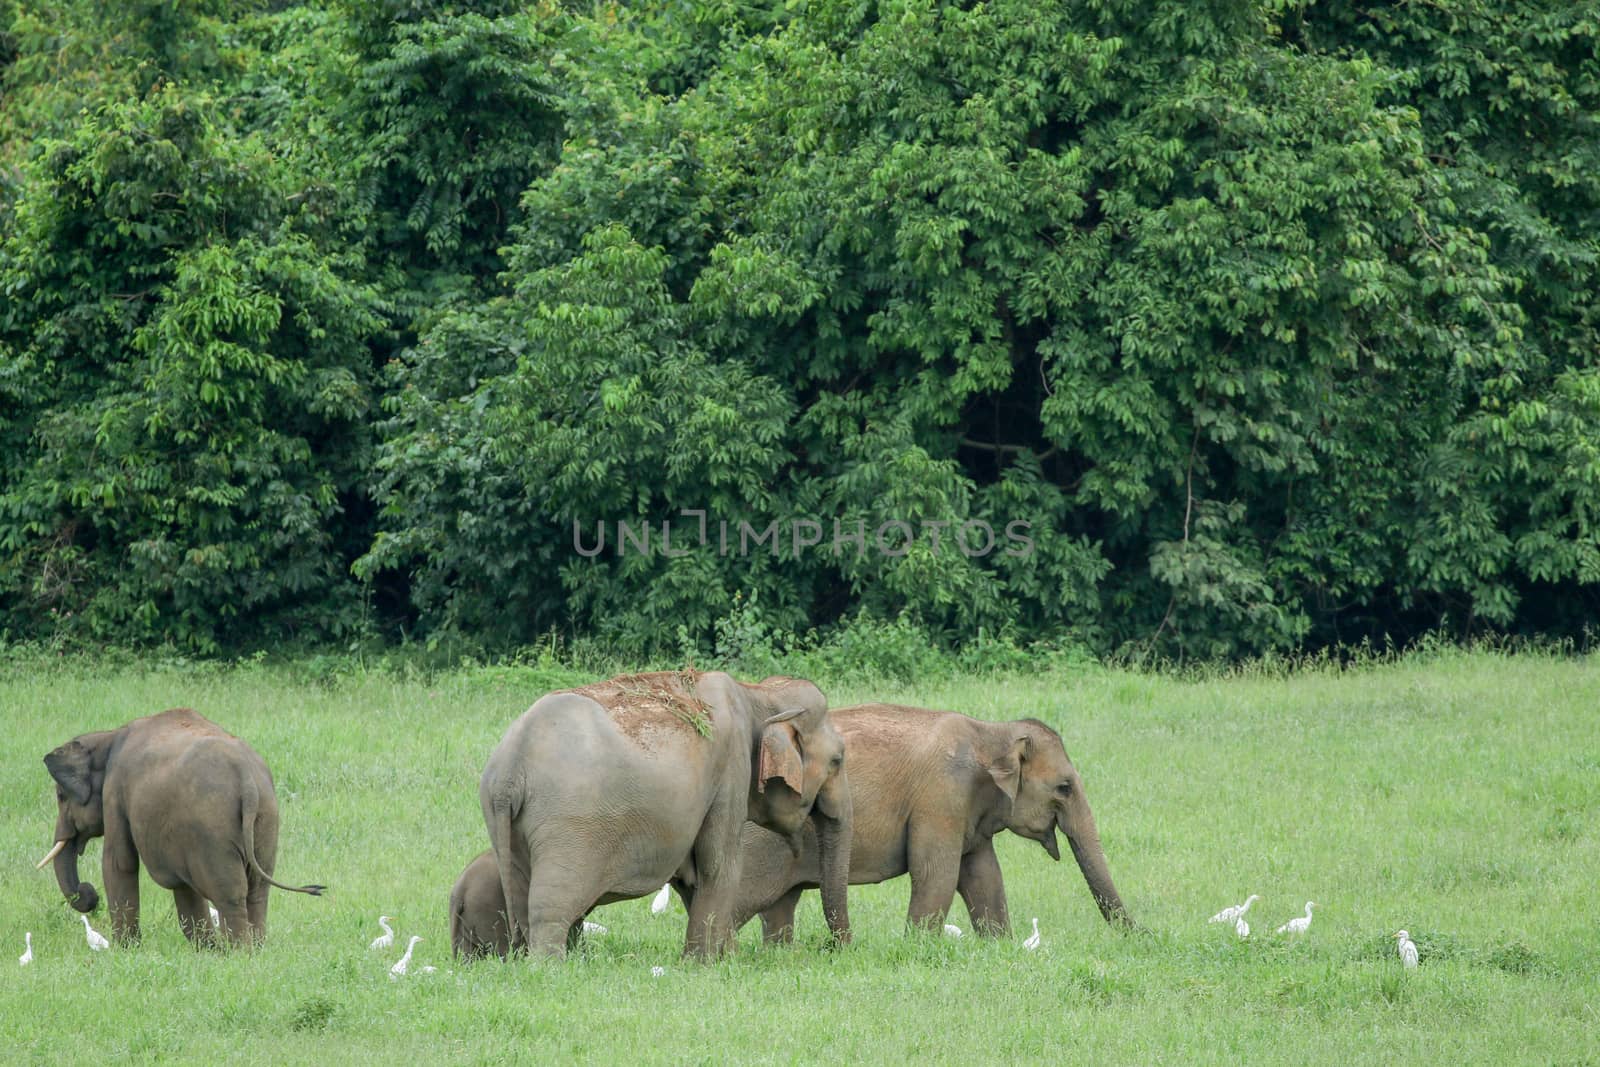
<point>604,793</point>
<point>187,799</point>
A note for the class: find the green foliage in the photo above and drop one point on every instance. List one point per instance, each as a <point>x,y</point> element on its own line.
<point>1263,325</point>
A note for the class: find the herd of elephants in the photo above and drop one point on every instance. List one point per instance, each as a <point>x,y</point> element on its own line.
<point>739,795</point>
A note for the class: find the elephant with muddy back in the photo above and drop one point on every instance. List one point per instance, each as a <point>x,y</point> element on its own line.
<point>930,789</point>
<point>603,793</point>
<point>189,801</point>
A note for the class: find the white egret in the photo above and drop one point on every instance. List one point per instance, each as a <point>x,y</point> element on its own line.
<point>385,939</point>
<point>952,930</point>
<point>90,934</point>
<point>1241,927</point>
<point>657,972</point>
<point>428,968</point>
<point>592,928</point>
<point>27,957</point>
<point>662,901</point>
<point>1228,915</point>
<point>400,968</point>
<point>216,920</point>
<point>1033,940</point>
<point>1300,925</point>
<point>1407,949</point>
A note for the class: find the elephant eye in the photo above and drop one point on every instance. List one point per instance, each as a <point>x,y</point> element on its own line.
<point>1064,789</point>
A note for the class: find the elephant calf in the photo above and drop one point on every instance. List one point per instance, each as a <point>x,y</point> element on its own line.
<point>479,926</point>
<point>186,798</point>
<point>929,791</point>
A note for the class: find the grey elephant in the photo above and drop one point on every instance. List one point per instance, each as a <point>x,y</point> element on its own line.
<point>930,789</point>
<point>187,799</point>
<point>603,793</point>
<point>478,923</point>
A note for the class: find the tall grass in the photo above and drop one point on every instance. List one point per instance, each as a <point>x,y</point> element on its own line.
<point>1453,794</point>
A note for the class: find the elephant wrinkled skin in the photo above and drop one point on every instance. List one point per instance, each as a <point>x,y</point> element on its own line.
<point>930,789</point>
<point>187,799</point>
<point>605,792</point>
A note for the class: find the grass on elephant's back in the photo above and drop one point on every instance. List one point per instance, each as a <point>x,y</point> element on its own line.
<point>1428,795</point>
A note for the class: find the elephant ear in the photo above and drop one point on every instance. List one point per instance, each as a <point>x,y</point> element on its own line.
<point>780,757</point>
<point>1007,770</point>
<point>72,769</point>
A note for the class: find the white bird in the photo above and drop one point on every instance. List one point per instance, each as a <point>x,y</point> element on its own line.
<point>1227,915</point>
<point>592,928</point>
<point>657,972</point>
<point>428,968</point>
<point>399,969</point>
<point>1300,925</point>
<point>1033,940</point>
<point>27,957</point>
<point>1407,949</point>
<point>92,935</point>
<point>952,930</point>
<point>385,939</point>
<point>216,920</point>
<point>662,901</point>
<point>1241,927</point>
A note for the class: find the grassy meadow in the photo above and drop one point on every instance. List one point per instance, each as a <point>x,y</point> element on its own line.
<point>1452,794</point>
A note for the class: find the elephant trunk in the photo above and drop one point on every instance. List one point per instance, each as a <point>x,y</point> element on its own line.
<point>833,845</point>
<point>81,895</point>
<point>1085,842</point>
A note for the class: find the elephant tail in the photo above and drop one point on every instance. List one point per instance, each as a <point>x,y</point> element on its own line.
<point>514,868</point>
<point>458,945</point>
<point>251,805</point>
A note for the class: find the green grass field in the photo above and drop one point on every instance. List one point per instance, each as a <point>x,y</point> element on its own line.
<point>1455,795</point>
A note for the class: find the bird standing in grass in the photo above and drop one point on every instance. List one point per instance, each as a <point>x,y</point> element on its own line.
<point>1407,949</point>
<point>385,939</point>
<point>1228,915</point>
<point>93,936</point>
<point>400,968</point>
<point>27,957</point>
<point>1033,940</point>
<point>1300,925</point>
<point>952,930</point>
<point>592,928</point>
<point>1241,927</point>
<point>662,901</point>
<point>216,920</point>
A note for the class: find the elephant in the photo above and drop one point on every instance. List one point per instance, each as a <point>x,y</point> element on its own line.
<point>930,789</point>
<point>478,923</point>
<point>186,798</point>
<point>603,793</point>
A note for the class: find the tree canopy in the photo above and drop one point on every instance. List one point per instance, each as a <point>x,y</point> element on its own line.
<point>1214,328</point>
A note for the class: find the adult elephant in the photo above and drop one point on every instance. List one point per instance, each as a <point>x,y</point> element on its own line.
<point>930,789</point>
<point>187,799</point>
<point>603,793</point>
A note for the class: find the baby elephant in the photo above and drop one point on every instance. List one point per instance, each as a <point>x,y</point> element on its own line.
<point>478,925</point>
<point>188,799</point>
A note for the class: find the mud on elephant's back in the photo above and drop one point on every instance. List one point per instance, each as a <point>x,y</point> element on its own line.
<point>639,703</point>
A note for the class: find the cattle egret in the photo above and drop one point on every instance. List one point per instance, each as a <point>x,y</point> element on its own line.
<point>592,928</point>
<point>1300,925</point>
<point>952,930</point>
<point>399,969</point>
<point>385,939</point>
<point>662,901</point>
<point>428,968</point>
<point>216,920</point>
<point>1241,927</point>
<point>27,957</point>
<point>1407,950</point>
<point>91,935</point>
<point>657,972</point>
<point>1228,915</point>
<point>1033,940</point>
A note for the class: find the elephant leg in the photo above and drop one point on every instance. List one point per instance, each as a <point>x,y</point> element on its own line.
<point>716,858</point>
<point>193,918</point>
<point>560,894</point>
<point>777,922</point>
<point>983,889</point>
<point>934,851</point>
<point>119,865</point>
<point>255,909</point>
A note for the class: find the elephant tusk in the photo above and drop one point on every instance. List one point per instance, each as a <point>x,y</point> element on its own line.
<point>52,854</point>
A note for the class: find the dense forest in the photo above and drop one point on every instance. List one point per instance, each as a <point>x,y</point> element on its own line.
<point>1211,327</point>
